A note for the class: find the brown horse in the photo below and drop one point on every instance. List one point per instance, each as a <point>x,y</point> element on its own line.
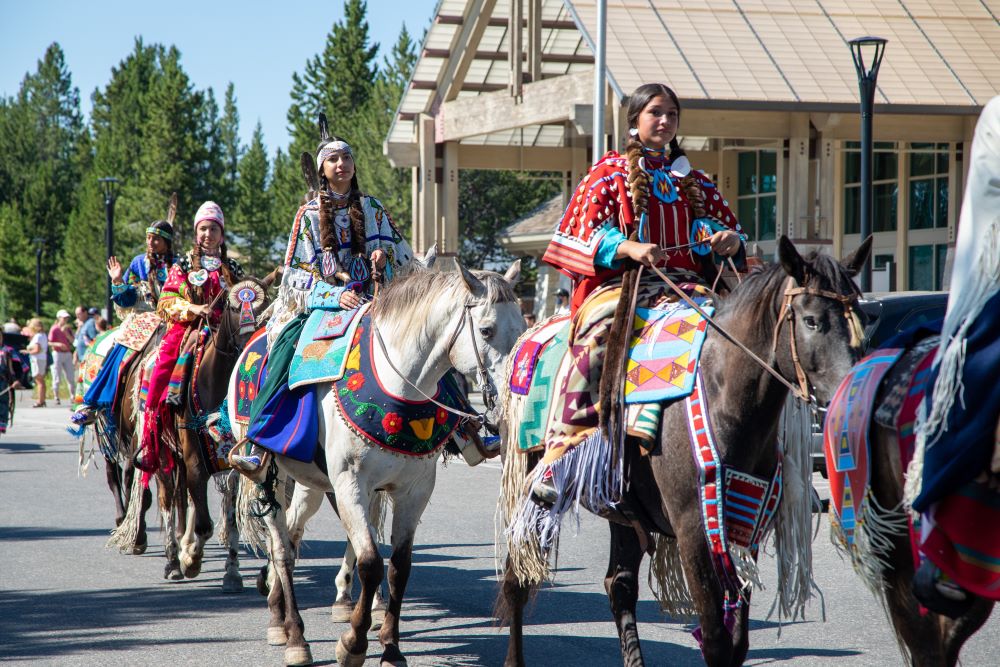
<point>193,522</point>
<point>926,639</point>
<point>661,501</point>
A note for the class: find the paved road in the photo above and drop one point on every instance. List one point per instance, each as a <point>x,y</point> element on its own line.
<point>67,600</point>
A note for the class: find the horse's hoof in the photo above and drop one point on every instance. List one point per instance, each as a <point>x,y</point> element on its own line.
<point>139,549</point>
<point>232,583</point>
<point>378,616</point>
<point>341,612</point>
<point>298,655</point>
<point>276,636</point>
<point>262,586</point>
<point>392,657</point>
<point>348,659</point>
<point>173,574</point>
<point>190,568</point>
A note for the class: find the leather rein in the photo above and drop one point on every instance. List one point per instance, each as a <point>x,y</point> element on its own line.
<point>801,391</point>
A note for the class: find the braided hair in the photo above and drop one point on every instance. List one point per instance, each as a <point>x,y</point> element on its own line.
<point>327,232</point>
<point>638,178</point>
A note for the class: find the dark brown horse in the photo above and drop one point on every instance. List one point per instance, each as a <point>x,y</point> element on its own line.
<point>928,639</point>
<point>661,500</point>
<point>187,489</point>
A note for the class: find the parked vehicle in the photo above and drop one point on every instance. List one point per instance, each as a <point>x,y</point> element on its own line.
<point>886,315</point>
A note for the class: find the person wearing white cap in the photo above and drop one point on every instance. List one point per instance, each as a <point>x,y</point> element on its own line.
<point>61,344</point>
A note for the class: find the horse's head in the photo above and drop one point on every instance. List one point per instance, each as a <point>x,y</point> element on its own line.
<point>493,318</point>
<point>818,335</point>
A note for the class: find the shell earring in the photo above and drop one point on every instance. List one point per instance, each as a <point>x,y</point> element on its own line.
<point>634,132</point>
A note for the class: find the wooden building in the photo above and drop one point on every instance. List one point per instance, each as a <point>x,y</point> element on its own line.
<point>770,110</point>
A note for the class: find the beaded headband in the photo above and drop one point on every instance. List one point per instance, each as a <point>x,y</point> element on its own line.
<point>160,232</point>
<point>329,149</point>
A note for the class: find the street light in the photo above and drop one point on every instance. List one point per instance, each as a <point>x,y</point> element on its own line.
<point>109,187</point>
<point>39,244</point>
<point>867,76</point>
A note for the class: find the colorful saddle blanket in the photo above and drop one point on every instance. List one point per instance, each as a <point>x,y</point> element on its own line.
<point>92,362</point>
<point>663,360</point>
<point>137,329</point>
<point>321,351</point>
<point>846,444</point>
<point>404,427</point>
<point>251,371</point>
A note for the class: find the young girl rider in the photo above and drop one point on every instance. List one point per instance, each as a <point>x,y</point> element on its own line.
<point>189,299</point>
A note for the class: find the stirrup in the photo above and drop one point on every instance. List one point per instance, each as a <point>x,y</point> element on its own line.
<point>252,466</point>
<point>84,416</point>
<point>939,597</point>
<point>544,493</point>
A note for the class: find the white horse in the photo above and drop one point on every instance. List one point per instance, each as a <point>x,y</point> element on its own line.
<point>429,323</point>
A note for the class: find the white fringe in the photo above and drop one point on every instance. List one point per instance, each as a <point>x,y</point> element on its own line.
<point>253,532</point>
<point>980,287</point>
<point>913,475</point>
<point>792,523</point>
<point>873,533</point>
<point>123,537</point>
<point>666,580</point>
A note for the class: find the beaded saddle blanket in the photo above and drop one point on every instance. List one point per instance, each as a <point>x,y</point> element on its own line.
<point>404,427</point>
<point>322,348</point>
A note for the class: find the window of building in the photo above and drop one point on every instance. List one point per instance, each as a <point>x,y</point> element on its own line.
<point>927,266</point>
<point>885,183</point>
<point>757,200</point>
<point>928,186</point>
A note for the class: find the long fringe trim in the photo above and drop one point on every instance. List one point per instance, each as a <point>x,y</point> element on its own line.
<point>123,537</point>
<point>667,582</point>
<point>584,475</point>
<point>249,523</point>
<point>980,288</point>
<point>913,475</point>
<point>873,536</point>
<point>793,533</point>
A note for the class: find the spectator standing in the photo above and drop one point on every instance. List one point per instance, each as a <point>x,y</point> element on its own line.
<point>61,343</point>
<point>86,332</point>
<point>562,302</point>
<point>11,326</point>
<point>100,324</point>
<point>38,352</point>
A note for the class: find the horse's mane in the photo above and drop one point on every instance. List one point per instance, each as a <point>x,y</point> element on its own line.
<point>409,301</point>
<point>758,297</point>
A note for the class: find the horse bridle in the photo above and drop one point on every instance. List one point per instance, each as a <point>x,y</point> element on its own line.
<point>485,386</point>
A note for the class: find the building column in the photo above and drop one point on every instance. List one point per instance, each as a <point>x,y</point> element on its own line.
<point>797,211</point>
<point>834,179</point>
<point>448,231</point>
<point>425,204</point>
<point>903,219</point>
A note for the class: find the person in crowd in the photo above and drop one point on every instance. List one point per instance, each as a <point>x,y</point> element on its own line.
<point>11,326</point>
<point>100,324</point>
<point>530,319</point>
<point>37,350</point>
<point>86,332</point>
<point>562,302</point>
<point>8,382</point>
<point>61,344</point>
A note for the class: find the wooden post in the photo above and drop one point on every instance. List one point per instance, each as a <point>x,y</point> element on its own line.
<point>515,58</point>
<point>449,230</point>
<point>535,39</point>
<point>424,229</point>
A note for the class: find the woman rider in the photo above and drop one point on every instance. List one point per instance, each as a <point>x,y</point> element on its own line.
<point>336,241</point>
<point>136,289</point>
<point>188,299</point>
<point>641,206</point>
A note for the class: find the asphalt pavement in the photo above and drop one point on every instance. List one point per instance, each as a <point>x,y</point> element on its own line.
<point>65,599</point>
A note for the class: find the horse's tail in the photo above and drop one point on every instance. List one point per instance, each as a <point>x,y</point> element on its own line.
<point>249,524</point>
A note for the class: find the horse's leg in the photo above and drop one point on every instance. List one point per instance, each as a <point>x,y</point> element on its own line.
<point>198,529</point>
<point>343,605</point>
<point>957,631</point>
<point>741,632</point>
<point>232,581</point>
<point>113,472</point>
<point>353,502</point>
<point>408,507</point>
<point>716,642</point>
<point>165,488</point>
<point>285,626</point>
<point>510,608</point>
<point>622,586</point>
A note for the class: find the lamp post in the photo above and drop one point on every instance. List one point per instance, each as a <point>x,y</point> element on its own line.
<point>867,77</point>
<point>109,187</point>
<point>39,244</point>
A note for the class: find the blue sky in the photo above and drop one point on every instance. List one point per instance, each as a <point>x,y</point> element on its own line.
<point>256,45</point>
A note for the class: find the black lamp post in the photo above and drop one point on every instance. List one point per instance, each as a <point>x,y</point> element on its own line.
<point>867,77</point>
<point>109,187</point>
<point>39,244</point>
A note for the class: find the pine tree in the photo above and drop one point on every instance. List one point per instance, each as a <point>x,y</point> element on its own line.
<point>224,184</point>
<point>259,238</point>
<point>42,154</point>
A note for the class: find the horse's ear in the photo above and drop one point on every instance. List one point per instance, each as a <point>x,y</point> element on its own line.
<point>309,173</point>
<point>172,208</point>
<point>791,260</point>
<point>513,274</point>
<point>475,285</point>
<point>429,257</point>
<point>324,131</point>
<point>856,260</point>
<point>272,276</point>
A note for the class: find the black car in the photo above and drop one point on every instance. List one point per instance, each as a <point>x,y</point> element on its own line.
<point>886,315</point>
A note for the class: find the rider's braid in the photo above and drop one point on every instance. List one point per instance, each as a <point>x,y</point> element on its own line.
<point>197,291</point>
<point>224,269</point>
<point>358,232</point>
<point>638,178</point>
